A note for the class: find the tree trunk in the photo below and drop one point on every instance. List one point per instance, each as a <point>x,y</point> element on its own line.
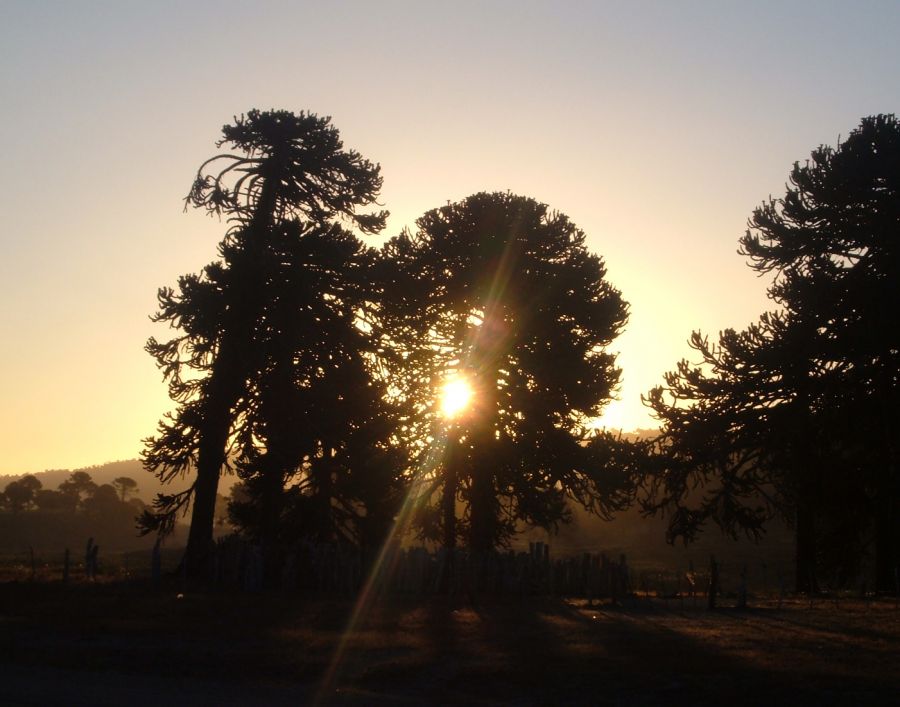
<point>808,495</point>
<point>228,378</point>
<point>271,506</point>
<point>483,509</point>
<point>887,542</point>
<point>805,582</point>
<point>448,505</point>
<point>227,384</point>
<point>887,509</point>
<point>230,371</point>
<point>324,492</point>
<point>448,521</point>
<point>210,459</point>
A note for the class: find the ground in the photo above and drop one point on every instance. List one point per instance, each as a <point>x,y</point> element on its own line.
<point>126,643</point>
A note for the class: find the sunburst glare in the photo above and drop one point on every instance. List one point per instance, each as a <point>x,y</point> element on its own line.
<point>455,396</point>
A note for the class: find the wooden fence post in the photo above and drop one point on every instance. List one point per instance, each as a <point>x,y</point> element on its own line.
<point>65,577</point>
<point>87,558</point>
<point>94,552</point>
<point>742,589</point>
<point>156,563</point>
<point>896,585</point>
<point>713,583</point>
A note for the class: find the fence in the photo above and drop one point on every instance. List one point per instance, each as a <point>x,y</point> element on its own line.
<point>338,570</point>
<point>335,570</point>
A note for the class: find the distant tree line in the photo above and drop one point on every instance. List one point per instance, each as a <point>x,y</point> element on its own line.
<point>313,365</point>
<point>77,509</point>
<point>77,493</point>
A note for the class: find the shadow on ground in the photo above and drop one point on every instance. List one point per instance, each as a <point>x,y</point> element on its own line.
<point>129,644</point>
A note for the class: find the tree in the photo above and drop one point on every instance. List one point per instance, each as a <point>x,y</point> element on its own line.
<point>283,167</point>
<point>21,495</point>
<point>104,500</point>
<point>54,501</point>
<point>124,486</point>
<point>821,374</point>
<point>501,291</point>
<point>78,487</point>
<point>318,453</point>
<point>737,442</point>
<point>832,244</point>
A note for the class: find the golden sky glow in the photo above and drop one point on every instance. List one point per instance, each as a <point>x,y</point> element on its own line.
<point>656,127</point>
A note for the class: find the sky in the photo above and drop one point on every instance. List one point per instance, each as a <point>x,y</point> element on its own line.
<point>657,127</point>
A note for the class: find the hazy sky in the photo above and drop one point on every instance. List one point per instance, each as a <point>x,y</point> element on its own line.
<point>657,127</point>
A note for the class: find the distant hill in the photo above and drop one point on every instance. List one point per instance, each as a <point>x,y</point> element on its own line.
<point>148,484</point>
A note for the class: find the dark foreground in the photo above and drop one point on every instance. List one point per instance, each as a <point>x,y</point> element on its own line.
<point>123,644</point>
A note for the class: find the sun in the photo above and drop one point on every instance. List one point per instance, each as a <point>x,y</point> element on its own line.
<point>455,396</point>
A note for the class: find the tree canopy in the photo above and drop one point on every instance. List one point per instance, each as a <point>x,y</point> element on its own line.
<point>286,173</point>
<point>500,290</point>
<point>317,447</point>
<point>22,494</point>
<point>287,166</point>
<point>798,412</point>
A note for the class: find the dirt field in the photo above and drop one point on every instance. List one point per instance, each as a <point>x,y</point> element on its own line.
<point>126,644</point>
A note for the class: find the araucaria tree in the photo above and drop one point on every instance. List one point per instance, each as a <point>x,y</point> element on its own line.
<point>500,294</point>
<point>318,450</point>
<point>284,176</point>
<point>799,413</point>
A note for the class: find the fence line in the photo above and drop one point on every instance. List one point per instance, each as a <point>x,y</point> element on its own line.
<point>339,570</point>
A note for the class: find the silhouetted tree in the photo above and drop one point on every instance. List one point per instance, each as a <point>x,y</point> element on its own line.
<point>20,495</point>
<point>833,245</point>
<point>78,487</point>
<point>318,450</point>
<point>501,290</point>
<point>125,485</point>
<point>104,499</point>
<point>54,501</point>
<point>796,395</point>
<point>737,444</point>
<point>283,167</point>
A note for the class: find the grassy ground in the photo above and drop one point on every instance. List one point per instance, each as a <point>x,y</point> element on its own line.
<point>126,643</point>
